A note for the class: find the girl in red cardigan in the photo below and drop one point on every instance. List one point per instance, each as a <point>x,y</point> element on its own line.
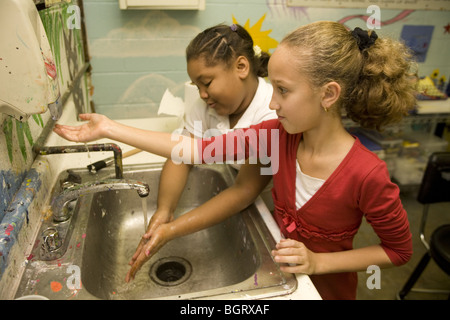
<point>326,180</point>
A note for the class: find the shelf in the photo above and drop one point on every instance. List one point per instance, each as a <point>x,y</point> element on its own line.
<point>162,4</point>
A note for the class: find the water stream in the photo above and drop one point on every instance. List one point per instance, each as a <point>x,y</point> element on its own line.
<point>144,210</point>
<point>88,154</point>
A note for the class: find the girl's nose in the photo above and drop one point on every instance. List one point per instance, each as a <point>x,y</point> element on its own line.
<point>273,105</point>
<point>203,94</point>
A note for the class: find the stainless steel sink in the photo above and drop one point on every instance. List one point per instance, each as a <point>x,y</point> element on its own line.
<point>229,260</point>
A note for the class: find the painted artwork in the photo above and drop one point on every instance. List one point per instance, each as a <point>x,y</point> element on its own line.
<point>418,38</point>
<point>19,181</point>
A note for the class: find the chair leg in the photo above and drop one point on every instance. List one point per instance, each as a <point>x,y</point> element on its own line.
<point>414,276</point>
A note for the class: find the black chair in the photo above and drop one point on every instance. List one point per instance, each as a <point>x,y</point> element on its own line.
<point>435,187</point>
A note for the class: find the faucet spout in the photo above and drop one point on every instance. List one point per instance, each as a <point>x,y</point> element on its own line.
<point>85,148</point>
<point>60,212</point>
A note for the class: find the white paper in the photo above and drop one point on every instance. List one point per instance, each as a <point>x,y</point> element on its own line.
<point>171,105</point>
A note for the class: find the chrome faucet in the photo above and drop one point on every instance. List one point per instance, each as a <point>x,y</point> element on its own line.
<point>42,150</point>
<point>59,208</point>
<point>56,235</point>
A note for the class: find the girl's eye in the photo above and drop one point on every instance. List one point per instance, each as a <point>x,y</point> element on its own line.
<point>207,84</point>
<point>282,90</point>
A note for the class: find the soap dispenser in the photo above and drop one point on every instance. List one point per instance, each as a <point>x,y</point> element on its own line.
<point>28,77</point>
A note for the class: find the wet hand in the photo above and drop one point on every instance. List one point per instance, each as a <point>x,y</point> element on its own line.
<point>146,249</point>
<point>158,218</point>
<point>93,130</point>
<point>298,257</point>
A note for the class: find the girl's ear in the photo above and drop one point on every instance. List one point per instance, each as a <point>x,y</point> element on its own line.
<point>331,92</point>
<point>242,67</point>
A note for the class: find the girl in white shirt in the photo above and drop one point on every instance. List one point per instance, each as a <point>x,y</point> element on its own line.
<point>228,70</point>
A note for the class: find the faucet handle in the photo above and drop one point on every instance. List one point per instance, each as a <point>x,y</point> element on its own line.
<point>52,240</point>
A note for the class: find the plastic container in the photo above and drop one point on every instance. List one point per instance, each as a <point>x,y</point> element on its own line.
<point>410,148</point>
<point>428,143</point>
<point>409,171</point>
<point>368,143</point>
<point>390,143</point>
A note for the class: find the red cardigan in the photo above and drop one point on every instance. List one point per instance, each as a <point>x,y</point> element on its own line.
<point>360,186</point>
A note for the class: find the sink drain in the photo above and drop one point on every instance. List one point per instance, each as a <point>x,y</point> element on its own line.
<point>170,271</point>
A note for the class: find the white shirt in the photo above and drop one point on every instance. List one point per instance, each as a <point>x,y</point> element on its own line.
<point>305,187</point>
<point>257,112</point>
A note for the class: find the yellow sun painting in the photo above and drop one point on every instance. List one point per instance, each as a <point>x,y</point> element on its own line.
<point>260,38</point>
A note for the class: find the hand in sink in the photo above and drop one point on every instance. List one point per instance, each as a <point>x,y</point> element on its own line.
<point>159,218</point>
<point>150,243</point>
<point>247,186</point>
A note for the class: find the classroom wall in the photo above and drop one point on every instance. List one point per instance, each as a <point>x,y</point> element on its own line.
<point>137,54</point>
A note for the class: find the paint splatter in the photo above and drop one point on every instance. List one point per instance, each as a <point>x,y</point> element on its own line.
<point>256,279</point>
<point>55,286</point>
<point>51,69</point>
<point>9,229</point>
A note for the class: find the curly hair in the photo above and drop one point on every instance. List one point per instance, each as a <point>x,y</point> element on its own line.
<point>223,44</point>
<point>376,82</point>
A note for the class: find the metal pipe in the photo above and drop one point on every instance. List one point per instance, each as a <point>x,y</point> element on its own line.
<point>85,148</point>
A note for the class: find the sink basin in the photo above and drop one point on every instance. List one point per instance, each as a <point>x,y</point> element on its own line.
<point>229,260</point>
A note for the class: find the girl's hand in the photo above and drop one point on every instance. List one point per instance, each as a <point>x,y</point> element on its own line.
<point>158,218</point>
<point>95,129</point>
<point>147,248</point>
<point>295,253</point>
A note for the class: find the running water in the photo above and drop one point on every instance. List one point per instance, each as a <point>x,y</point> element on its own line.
<point>88,153</point>
<point>144,210</point>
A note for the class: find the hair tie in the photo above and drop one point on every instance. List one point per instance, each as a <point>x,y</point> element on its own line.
<point>363,39</point>
<point>233,27</point>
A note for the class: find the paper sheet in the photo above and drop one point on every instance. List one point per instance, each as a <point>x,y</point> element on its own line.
<point>171,105</point>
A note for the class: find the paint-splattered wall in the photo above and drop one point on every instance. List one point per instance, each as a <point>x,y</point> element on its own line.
<point>17,138</point>
<point>137,54</point>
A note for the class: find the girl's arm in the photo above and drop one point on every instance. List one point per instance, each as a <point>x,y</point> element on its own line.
<point>248,185</point>
<point>303,260</point>
<point>171,185</point>
<point>172,146</point>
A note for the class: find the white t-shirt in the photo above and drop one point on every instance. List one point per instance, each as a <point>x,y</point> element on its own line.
<point>257,112</point>
<point>305,187</point>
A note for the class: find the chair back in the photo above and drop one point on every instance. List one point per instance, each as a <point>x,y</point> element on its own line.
<point>435,186</point>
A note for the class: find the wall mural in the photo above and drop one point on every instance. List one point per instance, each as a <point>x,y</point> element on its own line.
<point>260,38</point>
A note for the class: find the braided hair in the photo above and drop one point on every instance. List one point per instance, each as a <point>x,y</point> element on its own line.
<point>223,44</point>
